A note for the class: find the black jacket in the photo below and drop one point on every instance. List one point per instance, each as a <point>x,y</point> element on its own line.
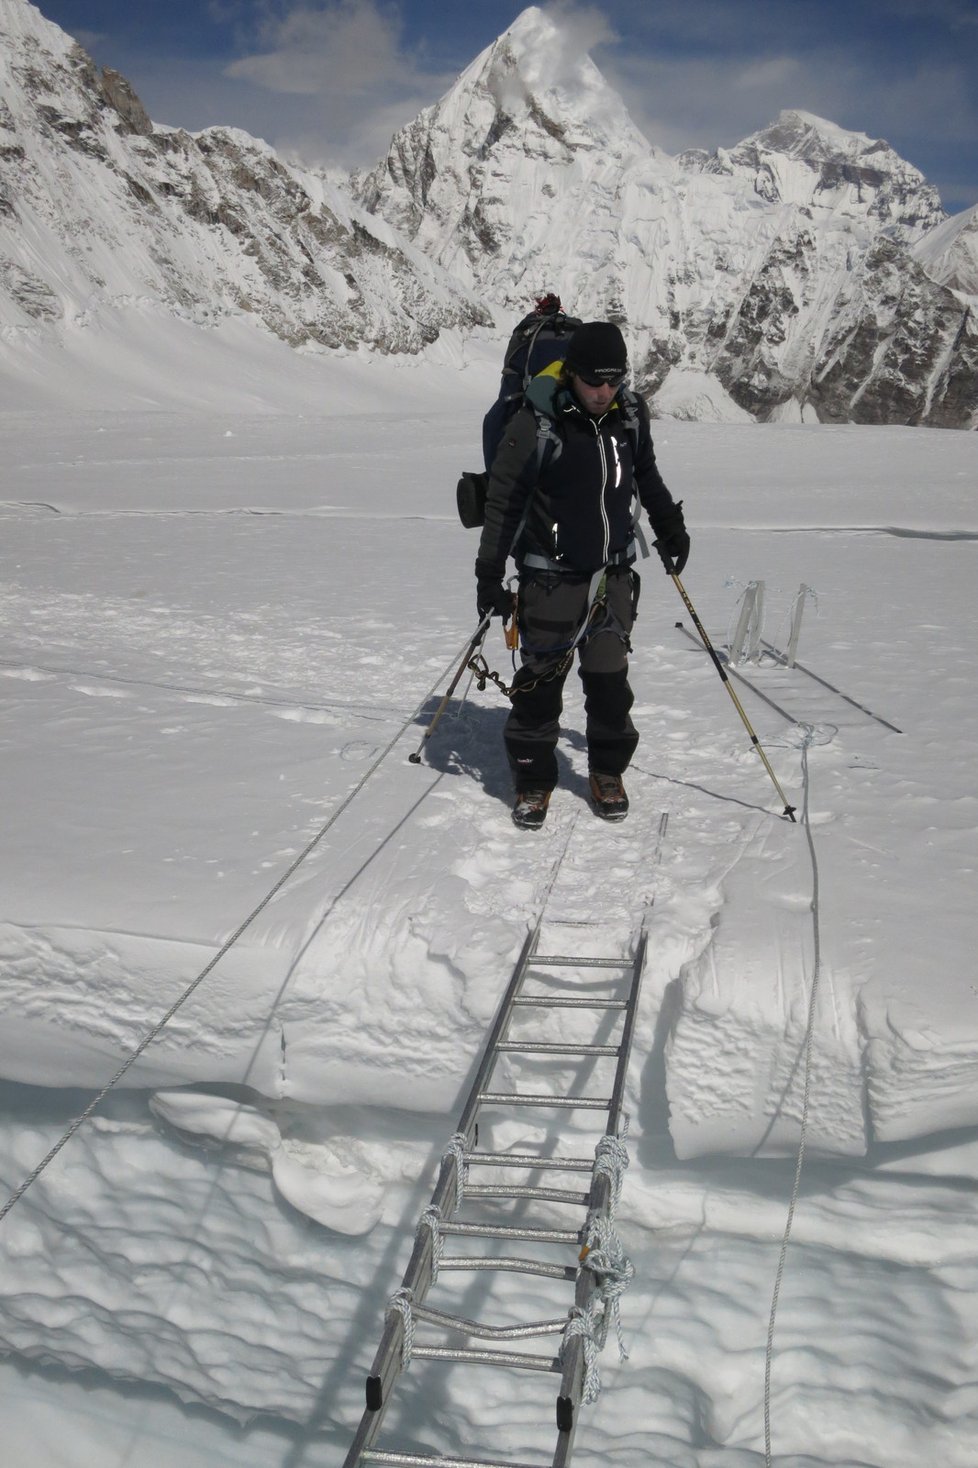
<point>580,512</point>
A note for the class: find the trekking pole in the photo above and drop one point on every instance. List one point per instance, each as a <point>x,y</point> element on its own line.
<point>789,810</point>
<point>480,632</point>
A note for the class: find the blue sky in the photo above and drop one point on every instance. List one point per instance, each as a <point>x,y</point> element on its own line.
<point>330,80</point>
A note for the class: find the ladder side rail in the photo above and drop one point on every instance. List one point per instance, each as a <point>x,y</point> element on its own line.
<point>417,1278</point>
<point>572,1378</point>
<point>627,1034</point>
<point>387,1363</point>
<point>470,1110</point>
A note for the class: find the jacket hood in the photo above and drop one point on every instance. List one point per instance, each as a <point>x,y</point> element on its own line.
<point>549,396</point>
<point>545,392</point>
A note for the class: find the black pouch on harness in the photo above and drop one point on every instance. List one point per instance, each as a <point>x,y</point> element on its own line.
<point>470,496</point>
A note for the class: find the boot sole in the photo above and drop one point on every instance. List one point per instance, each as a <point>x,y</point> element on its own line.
<point>528,825</point>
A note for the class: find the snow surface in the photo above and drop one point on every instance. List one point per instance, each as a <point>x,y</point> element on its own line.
<point>217,620</point>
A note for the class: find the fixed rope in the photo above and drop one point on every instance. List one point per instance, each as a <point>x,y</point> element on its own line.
<point>209,967</point>
<point>809,1044</point>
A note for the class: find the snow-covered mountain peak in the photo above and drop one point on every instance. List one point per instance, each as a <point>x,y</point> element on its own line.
<point>101,212</point>
<point>21,22</point>
<point>949,253</point>
<point>805,135</point>
<point>808,161</point>
<point>539,72</point>
<point>524,154</point>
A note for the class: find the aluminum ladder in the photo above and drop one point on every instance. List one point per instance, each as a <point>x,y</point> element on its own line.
<point>613,999</point>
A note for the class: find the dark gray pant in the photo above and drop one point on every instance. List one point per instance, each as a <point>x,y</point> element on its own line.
<point>552,607</point>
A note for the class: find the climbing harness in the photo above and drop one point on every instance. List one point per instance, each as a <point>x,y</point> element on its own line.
<point>548,986</point>
<point>596,608</point>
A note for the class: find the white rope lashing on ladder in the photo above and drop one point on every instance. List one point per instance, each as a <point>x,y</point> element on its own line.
<point>225,948</point>
<point>809,1045</point>
<point>430,1221</point>
<point>401,1303</point>
<point>456,1149</point>
<point>603,1255</point>
<point>611,1159</point>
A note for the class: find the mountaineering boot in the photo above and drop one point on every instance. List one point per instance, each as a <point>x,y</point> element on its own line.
<point>530,810</point>
<point>608,795</point>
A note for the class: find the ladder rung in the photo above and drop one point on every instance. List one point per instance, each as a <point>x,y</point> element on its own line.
<point>547,1047</point>
<point>529,1159</point>
<point>431,1460</point>
<point>559,960</point>
<point>559,922</point>
<point>539,1195</point>
<point>565,1001</point>
<point>477,1328</point>
<point>513,1098</point>
<point>511,1231</point>
<point>511,1266</point>
<point>486,1358</point>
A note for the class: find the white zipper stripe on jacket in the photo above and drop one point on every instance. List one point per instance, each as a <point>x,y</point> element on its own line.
<point>604,483</point>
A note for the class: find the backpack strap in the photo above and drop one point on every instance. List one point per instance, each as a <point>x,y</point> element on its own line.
<point>547,439</point>
<point>628,407</point>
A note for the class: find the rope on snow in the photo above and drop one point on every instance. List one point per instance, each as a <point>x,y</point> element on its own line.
<point>225,948</point>
<point>809,733</point>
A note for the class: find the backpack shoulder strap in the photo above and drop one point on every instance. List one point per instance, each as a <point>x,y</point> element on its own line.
<point>628,406</point>
<point>549,447</point>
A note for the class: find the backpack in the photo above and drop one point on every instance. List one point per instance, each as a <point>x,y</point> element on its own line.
<point>539,339</point>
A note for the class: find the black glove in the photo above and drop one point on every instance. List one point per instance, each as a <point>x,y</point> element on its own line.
<point>671,540</point>
<point>491,597</point>
<point>493,600</point>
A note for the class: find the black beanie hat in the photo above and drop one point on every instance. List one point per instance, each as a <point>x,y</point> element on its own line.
<point>597,349</point>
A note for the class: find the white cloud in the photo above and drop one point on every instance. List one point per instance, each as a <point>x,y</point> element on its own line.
<point>350,46</point>
<point>770,71</point>
<point>583,27</point>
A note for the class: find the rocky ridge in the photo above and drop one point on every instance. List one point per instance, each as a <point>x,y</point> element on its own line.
<point>99,208</point>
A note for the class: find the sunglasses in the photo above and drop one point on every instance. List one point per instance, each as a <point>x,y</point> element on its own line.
<point>591,381</point>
